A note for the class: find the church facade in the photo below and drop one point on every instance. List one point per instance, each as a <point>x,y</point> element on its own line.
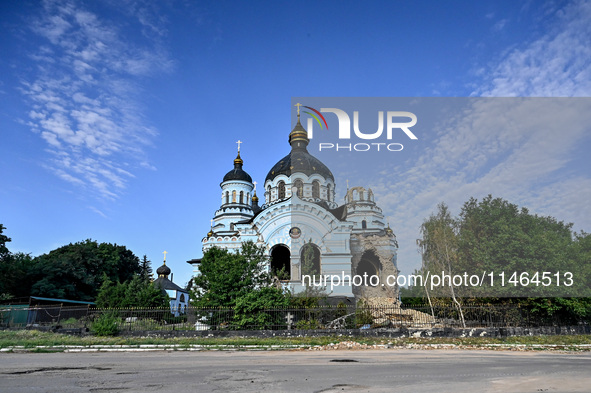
<point>306,233</point>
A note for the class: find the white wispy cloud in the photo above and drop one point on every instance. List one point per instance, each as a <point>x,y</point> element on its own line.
<point>97,211</point>
<point>500,25</point>
<point>527,158</point>
<point>84,91</point>
<point>528,162</point>
<point>556,64</point>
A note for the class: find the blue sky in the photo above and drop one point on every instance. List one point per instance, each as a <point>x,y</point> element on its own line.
<point>118,119</point>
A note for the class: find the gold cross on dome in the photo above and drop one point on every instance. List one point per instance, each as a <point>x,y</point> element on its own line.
<point>298,105</point>
<point>165,252</point>
<point>239,142</point>
<point>255,185</point>
<point>211,221</point>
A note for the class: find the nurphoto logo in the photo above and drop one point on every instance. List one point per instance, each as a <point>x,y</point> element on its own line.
<point>396,122</point>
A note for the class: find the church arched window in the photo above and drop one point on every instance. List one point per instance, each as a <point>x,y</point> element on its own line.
<point>310,259</point>
<point>363,224</point>
<point>299,186</point>
<point>315,189</point>
<point>241,197</point>
<point>280,262</point>
<point>234,196</point>
<point>360,195</point>
<point>227,196</point>
<point>268,196</point>
<point>281,190</point>
<point>248,198</point>
<point>328,192</point>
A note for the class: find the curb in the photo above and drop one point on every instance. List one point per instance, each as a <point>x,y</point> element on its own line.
<point>329,347</point>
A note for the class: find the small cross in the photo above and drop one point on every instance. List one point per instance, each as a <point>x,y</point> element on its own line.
<point>211,221</point>
<point>165,252</point>
<point>298,105</point>
<point>239,142</point>
<point>289,320</point>
<point>255,185</point>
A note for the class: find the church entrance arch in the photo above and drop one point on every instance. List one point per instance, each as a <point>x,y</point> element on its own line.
<point>368,264</point>
<point>281,262</point>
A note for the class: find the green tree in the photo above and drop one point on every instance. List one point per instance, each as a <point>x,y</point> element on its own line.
<point>76,271</point>
<point>133,293</point>
<point>140,293</point>
<point>580,256</point>
<point>146,269</point>
<point>493,235</point>
<point>3,240</point>
<point>439,249</point>
<point>4,265</point>
<point>237,281</point>
<point>498,236</point>
<point>226,277</point>
<point>111,294</point>
<point>14,280</point>
<point>254,310</point>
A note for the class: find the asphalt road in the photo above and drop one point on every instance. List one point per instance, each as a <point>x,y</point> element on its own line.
<point>389,370</point>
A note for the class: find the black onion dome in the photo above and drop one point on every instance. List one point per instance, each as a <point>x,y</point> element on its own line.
<point>299,160</point>
<point>238,173</point>
<point>163,270</point>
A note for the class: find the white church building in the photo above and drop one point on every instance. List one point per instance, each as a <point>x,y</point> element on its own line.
<point>303,228</point>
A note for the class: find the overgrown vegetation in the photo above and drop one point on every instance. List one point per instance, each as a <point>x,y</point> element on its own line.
<point>32,339</point>
<point>227,277</point>
<point>107,324</point>
<point>490,235</point>
<point>493,235</point>
<point>137,292</point>
<point>250,309</point>
<point>73,272</point>
<point>237,281</point>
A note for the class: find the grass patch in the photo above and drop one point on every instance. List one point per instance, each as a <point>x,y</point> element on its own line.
<point>34,338</point>
<point>522,340</point>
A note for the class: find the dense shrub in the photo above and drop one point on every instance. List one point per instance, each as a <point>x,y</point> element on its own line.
<point>106,324</point>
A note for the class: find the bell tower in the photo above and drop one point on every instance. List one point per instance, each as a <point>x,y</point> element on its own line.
<point>237,199</point>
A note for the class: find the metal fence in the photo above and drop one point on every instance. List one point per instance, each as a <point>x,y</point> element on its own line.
<point>326,318</point>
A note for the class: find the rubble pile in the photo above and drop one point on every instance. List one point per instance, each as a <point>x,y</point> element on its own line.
<point>346,345</point>
<point>387,312</point>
